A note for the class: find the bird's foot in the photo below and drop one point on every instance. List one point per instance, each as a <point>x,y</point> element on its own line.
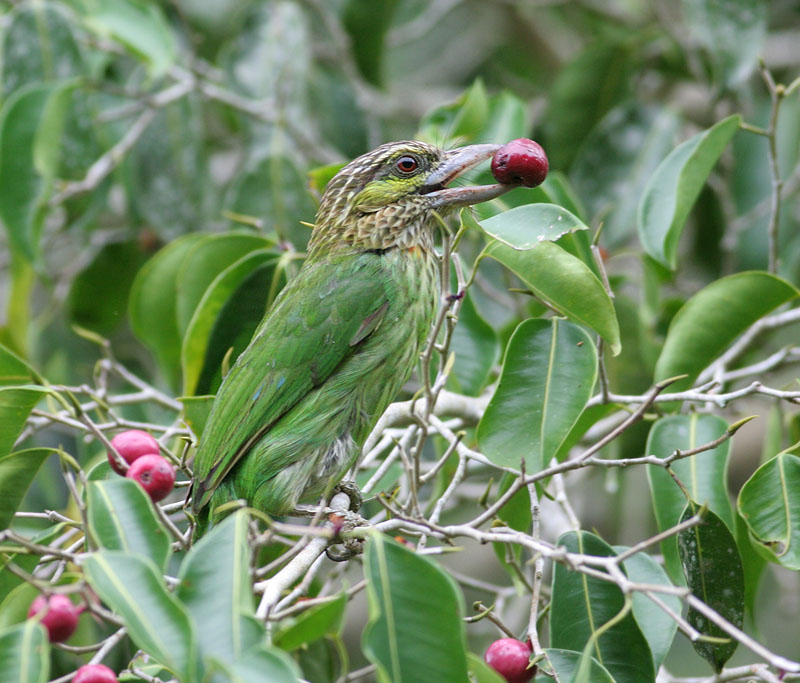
<point>348,550</point>
<point>350,489</point>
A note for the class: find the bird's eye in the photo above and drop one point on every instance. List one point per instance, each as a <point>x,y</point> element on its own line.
<point>406,164</point>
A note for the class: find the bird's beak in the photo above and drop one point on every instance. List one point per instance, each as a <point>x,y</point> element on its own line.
<point>455,163</point>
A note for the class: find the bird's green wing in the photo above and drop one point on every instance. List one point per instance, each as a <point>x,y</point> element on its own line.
<point>319,320</point>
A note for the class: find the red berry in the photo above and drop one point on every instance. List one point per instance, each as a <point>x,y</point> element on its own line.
<point>520,161</point>
<point>154,473</point>
<point>94,673</point>
<point>131,445</point>
<point>60,617</point>
<point>509,657</point>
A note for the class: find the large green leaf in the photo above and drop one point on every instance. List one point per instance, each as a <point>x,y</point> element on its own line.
<point>313,624</point>
<point>769,503</point>
<point>226,317</point>
<point>582,604</point>
<point>31,123</point>
<point>712,319</point>
<point>657,626</point>
<point>25,561</point>
<point>704,475</point>
<point>204,261</point>
<point>673,189</point>
<point>17,471</point>
<point>25,653</point>
<point>152,304</point>
<point>566,283</point>
<point>713,571</point>
<point>732,32</point>
<point>121,517</point>
<point>138,25</point>
<point>264,664</point>
<point>367,23</point>
<point>525,227</point>
<point>530,413</point>
<point>415,630</point>
<point>214,585</point>
<point>158,624</point>
<point>14,370</point>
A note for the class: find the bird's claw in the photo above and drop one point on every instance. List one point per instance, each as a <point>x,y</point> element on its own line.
<point>350,489</point>
<point>351,548</point>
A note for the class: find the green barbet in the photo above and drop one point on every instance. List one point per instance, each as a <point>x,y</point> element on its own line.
<point>342,337</point>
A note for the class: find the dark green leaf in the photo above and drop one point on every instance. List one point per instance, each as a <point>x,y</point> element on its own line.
<point>17,471</point>
<point>158,624</point>
<point>769,505</point>
<point>226,316</point>
<point>705,475</point>
<point>480,671</point>
<point>713,571</point>
<point>567,664</point>
<point>415,631</point>
<point>367,23</point>
<point>582,604</point>
<point>16,404</point>
<point>214,585</point>
<point>264,664</point>
<point>196,410</point>
<point>14,370</point>
<point>674,187</point>
<point>530,414</point>
<point>25,653</point>
<point>708,322</point>
<point>121,517</point>
<point>475,344</point>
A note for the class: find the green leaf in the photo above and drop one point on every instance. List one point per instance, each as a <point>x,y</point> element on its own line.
<point>530,414</point>
<point>264,664</point>
<point>769,503</point>
<point>712,319</point>
<point>214,585</point>
<point>31,122</point>
<point>156,622</point>
<point>152,305</point>
<point>733,32</point>
<point>16,404</point>
<point>226,317</point>
<point>204,261</point>
<point>25,561</point>
<point>582,604</point>
<point>17,471</point>
<point>313,624</point>
<point>25,653</point>
<point>121,517</point>
<point>673,189</point>
<point>566,283</point>
<point>367,23</point>
<point>415,630</point>
<point>614,164</point>
<point>657,626</point>
<point>527,226</point>
<point>705,475</point>
<point>138,25</point>
<point>567,664</point>
<point>713,571</point>
<point>475,345</point>
<point>480,671</point>
<point>457,122</point>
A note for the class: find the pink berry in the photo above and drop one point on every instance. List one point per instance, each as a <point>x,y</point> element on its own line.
<point>60,615</point>
<point>520,161</point>
<point>509,657</point>
<point>131,445</point>
<point>94,673</point>
<point>154,473</point>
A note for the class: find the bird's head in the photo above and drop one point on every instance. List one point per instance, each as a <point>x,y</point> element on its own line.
<point>386,198</point>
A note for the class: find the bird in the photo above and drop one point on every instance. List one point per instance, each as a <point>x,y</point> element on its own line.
<point>342,337</point>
